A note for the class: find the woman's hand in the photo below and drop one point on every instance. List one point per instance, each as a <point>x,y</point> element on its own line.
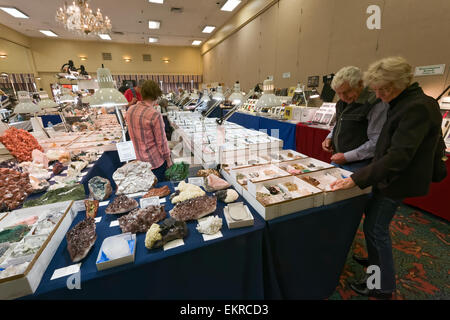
<point>346,183</point>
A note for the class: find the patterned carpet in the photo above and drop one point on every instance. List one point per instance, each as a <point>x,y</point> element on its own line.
<point>421,249</point>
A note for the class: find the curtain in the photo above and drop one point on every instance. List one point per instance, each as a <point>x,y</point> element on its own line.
<point>166,82</point>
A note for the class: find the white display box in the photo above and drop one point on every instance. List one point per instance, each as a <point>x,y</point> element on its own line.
<point>226,175</point>
<point>338,195</point>
<point>310,164</point>
<point>26,283</point>
<point>119,261</point>
<point>285,207</point>
<point>260,170</point>
<point>277,156</point>
<point>232,224</point>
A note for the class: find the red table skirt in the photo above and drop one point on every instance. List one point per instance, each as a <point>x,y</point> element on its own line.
<point>436,201</point>
<point>309,140</point>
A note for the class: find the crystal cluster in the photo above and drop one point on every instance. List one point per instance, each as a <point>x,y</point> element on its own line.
<point>121,204</point>
<point>140,220</point>
<point>135,176</point>
<point>194,208</point>
<point>210,225</point>
<point>169,229</point>
<point>80,239</point>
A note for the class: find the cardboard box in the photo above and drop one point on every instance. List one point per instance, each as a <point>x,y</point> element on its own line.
<point>232,224</point>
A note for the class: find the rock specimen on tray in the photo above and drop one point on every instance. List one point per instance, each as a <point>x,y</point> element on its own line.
<point>20,143</point>
<point>39,185</point>
<point>186,191</point>
<point>35,170</point>
<point>227,196</point>
<point>169,229</point>
<point>210,225</point>
<point>194,208</point>
<point>73,192</point>
<point>121,204</point>
<point>135,176</point>
<point>14,234</point>
<point>311,180</point>
<point>140,220</point>
<point>99,188</point>
<point>91,207</point>
<point>157,192</point>
<point>40,158</point>
<point>207,172</point>
<point>81,238</point>
<point>14,188</point>
<point>214,183</point>
<point>57,168</point>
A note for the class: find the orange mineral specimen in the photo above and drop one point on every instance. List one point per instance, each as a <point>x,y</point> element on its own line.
<point>20,143</point>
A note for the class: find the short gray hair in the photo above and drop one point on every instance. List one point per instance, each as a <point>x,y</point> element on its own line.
<point>350,74</point>
<point>392,70</point>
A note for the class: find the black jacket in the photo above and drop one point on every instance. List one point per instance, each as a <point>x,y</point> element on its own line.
<point>407,149</point>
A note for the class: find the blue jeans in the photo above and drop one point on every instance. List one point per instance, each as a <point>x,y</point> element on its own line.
<point>160,172</point>
<point>378,215</point>
<point>352,166</point>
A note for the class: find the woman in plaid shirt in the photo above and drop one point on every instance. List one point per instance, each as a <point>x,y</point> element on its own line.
<point>146,129</point>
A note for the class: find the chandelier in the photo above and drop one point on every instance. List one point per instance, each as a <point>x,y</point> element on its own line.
<point>79,17</point>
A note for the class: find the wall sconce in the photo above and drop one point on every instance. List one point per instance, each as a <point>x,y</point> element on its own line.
<point>3,55</point>
<point>83,58</point>
<point>166,60</point>
<point>127,59</point>
<point>38,78</point>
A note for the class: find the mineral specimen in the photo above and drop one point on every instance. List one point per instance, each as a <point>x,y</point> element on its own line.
<point>31,245</point>
<point>194,208</point>
<point>91,208</point>
<point>73,192</point>
<point>39,158</point>
<point>169,229</point>
<point>207,172</point>
<point>57,168</point>
<point>12,270</point>
<point>140,220</point>
<point>20,143</point>
<point>35,170</point>
<point>135,176</point>
<point>99,188</point>
<point>187,191</point>
<point>39,185</point>
<point>214,183</point>
<point>14,188</point>
<point>115,247</point>
<point>81,238</point>
<point>157,192</point>
<point>311,180</point>
<point>227,196</point>
<point>210,225</point>
<point>121,204</point>
<point>14,234</point>
<point>291,186</point>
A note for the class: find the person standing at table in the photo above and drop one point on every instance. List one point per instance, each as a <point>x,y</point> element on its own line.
<point>409,155</point>
<point>359,119</point>
<point>146,129</point>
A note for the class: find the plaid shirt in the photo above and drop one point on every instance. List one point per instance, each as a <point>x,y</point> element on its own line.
<point>146,129</point>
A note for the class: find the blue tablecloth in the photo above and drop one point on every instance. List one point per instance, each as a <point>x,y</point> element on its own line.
<point>53,118</point>
<point>225,268</point>
<point>279,129</point>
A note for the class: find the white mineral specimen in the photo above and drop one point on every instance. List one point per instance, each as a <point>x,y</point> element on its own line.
<point>187,191</point>
<point>135,176</point>
<point>210,225</point>
<point>115,248</point>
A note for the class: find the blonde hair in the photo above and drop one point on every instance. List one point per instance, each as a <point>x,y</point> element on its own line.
<point>395,70</point>
<point>350,74</point>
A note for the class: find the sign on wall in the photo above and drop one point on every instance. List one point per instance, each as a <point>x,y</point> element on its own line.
<point>430,70</point>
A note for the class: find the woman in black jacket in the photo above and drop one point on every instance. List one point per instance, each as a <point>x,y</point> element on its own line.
<point>403,166</point>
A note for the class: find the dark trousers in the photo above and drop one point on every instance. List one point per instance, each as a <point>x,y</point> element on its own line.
<point>378,215</point>
<point>160,172</point>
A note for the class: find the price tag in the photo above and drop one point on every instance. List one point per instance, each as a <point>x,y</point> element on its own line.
<point>198,181</point>
<point>62,272</point>
<point>98,219</point>
<point>151,201</point>
<point>207,237</point>
<point>173,244</point>
<point>103,203</point>
<point>126,151</point>
<point>115,223</point>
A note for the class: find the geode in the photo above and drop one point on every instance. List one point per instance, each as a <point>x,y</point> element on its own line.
<point>81,238</point>
<point>121,204</point>
<point>135,176</point>
<point>99,188</point>
<point>140,220</point>
<point>194,208</point>
<point>169,229</point>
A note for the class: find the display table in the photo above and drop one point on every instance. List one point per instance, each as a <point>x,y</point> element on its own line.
<point>309,141</point>
<point>435,201</point>
<point>225,268</point>
<point>279,129</point>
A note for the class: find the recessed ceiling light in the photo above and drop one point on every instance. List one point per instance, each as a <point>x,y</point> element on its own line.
<point>208,29</point>
<point>153,40</point>
<point>154,24</point>
<point>196,42</point>
<point>15,13</point>
<point>156,1</point>
<point>230,5</point>
<point>104,36</point>
<point>48,33</point>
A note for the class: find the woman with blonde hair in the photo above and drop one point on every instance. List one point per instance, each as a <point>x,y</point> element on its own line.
<point>408,157</point>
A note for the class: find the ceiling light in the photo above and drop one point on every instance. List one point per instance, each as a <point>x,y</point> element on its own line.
<point>104,36</point>
<point>196,42</point>
<point>230,5</point>
<point>208,29</point>
<point>156,1</point>
<point>154,24</point>
<point>153,40</point>
<point>14,12</point>
<point>48,33</point>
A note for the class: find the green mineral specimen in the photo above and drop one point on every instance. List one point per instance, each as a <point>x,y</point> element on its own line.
<point>73,192</point>
<point>14,234</point>
<point>177,172</point>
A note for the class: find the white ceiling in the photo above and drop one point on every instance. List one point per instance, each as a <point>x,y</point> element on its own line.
<point>128,16</point>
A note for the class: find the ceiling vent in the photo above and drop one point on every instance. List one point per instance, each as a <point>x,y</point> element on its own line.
<point>147,57</point>
<point>107,56</point>
<point>176,10</point>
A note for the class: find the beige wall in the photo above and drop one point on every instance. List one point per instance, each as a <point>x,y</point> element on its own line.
<point>16,46</point>
<point>318,37</point>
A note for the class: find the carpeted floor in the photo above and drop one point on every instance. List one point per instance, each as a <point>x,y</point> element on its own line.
<point>421,249</point>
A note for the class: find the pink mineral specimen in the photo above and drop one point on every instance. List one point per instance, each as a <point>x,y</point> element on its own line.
<point>40,158</point>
